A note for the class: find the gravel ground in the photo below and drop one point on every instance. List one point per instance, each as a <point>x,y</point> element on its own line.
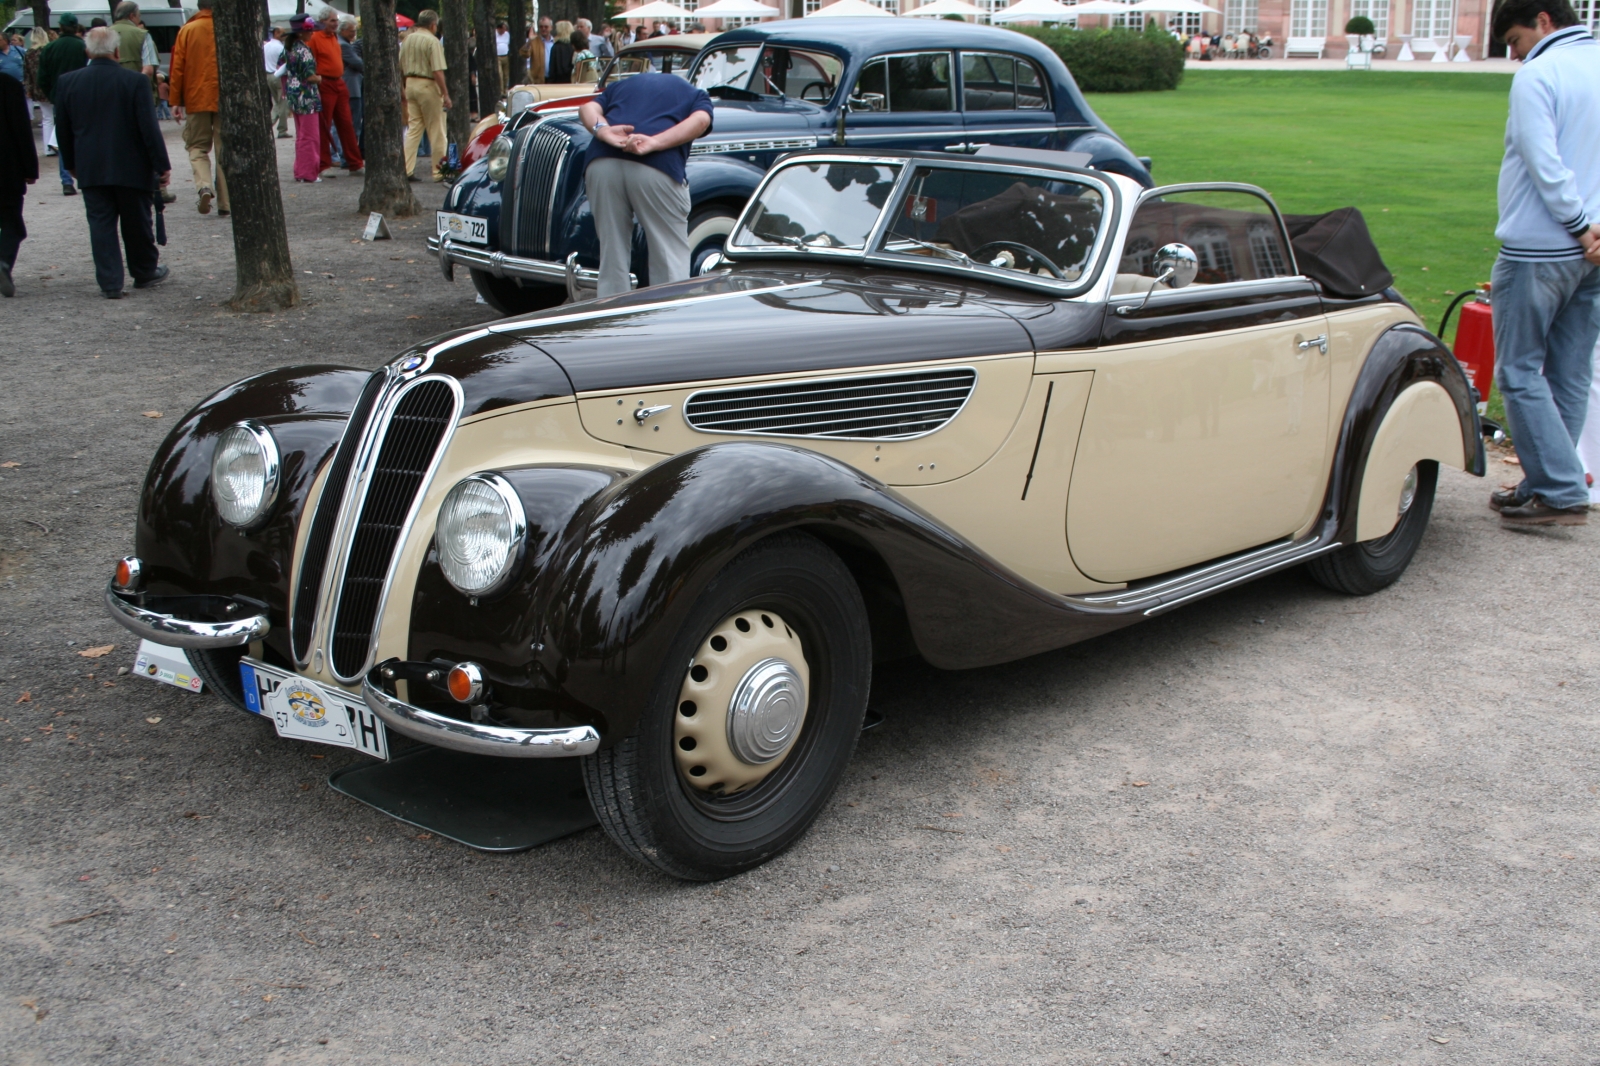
<point>1276,826</point>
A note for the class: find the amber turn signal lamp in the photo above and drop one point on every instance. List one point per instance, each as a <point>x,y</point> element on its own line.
<point>465,682</point>
<point>127,575</point>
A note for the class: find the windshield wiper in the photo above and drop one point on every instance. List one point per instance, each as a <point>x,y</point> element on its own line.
<point>949,253</point>
<point>784,238</point>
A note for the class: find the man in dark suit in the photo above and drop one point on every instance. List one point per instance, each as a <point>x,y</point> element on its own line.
<point>19,168</point>
<point>111,142</point>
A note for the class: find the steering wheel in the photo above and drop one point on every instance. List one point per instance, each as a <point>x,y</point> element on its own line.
<point>1032,253</point>
<point>823,92</point>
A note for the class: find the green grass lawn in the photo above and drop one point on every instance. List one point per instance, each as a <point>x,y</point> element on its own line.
<point>1419,154</point>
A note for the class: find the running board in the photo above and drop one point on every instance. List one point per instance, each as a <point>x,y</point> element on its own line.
<point>1166,593</point>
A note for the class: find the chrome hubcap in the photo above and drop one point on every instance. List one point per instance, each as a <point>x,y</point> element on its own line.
<point>1408,491</point>
<point>742,704</point>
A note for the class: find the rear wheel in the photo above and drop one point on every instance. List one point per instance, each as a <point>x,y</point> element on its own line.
<point>509,298</point>
<point>751,724</point>
<point>1364,568</point>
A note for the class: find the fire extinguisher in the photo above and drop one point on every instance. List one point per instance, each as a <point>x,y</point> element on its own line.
<point>1474,348</point>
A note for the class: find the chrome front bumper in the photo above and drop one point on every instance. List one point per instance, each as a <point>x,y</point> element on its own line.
<point>177,632</point>
<point>475,737</point>
<point>581,282</point>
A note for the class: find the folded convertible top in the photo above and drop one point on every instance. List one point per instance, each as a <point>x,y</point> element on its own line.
<point>1336,251</point>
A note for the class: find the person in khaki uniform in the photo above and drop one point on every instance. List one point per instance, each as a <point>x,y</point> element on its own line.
<point>192,87</point>
<point>426,98</point>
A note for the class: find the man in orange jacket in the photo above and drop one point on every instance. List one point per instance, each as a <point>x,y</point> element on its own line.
<point>192,89</point>
<point>324,45</point>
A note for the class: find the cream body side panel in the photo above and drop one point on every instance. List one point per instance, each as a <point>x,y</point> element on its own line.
<point>987,507</point>
<point>546,433</point>
<point>1197,447</point>
<point>1421,424</point>
<point>953,451</point>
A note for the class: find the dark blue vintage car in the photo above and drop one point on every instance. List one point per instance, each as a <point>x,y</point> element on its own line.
<point>899,85</point>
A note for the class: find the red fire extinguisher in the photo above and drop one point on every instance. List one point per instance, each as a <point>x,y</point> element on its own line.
<point>1474,348</point>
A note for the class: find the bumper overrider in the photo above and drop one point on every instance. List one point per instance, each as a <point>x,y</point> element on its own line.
<point>581,282</point>
<point>162,619</point>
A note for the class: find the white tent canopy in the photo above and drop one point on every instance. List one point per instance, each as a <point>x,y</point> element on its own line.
<point>1174,7</point>
<point>941,8</point>
<point>737,9</point>
<point>850,9</point>
<point>659,9</point>
<point>1036,11</point>
<point>1101,7</point>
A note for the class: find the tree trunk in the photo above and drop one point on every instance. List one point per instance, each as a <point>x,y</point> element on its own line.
<point>41,13</point>
<point>386,189</point>
<point>489,87</point>
<point>264,274</point>
<point>458,120</point>
<point>517,25</point>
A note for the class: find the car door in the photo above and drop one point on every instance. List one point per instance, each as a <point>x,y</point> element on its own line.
<point>1206,431</point>
<point>905,102</point>
<point>1005,102</point>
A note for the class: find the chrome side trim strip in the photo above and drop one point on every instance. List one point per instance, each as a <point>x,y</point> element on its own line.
<point>181,633</point>
<point>768,144</point>
<point>1162,596</point>
<point>474,737</point>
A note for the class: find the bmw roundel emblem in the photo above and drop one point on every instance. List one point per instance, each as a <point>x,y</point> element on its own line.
<point>412,363</point>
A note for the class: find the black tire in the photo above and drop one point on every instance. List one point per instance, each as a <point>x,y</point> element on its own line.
<point>1364,568</point>
<point>509,298</point>
<point>708,232</point>
<point>635,787</point>
<point>218,668</point>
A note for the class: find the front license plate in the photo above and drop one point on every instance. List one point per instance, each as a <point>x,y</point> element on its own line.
<point>305,710</point>
<point>463,228</point>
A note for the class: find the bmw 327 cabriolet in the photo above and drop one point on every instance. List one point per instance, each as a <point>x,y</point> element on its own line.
<point>968,408</point>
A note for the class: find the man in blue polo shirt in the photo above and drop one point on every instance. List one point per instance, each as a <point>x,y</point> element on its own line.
<point>642,129</point>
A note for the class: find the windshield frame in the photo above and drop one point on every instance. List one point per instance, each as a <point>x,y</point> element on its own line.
<point>762,48</point>
<point>874,254</point>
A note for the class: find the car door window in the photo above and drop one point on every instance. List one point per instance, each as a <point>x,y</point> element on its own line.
<point>917,82</point>
<point>992,81</point>
<point>1235,236</point>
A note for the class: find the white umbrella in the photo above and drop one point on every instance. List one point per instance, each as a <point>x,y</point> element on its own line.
<point>736,9</point>
<point>1174,7</point>
<point>659,9</point>
<point>1035,11</point>
<point>1101,7</point>
<point>850,9</point>
<point>941,8</point>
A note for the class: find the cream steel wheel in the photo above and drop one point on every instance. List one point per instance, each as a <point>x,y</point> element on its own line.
<point>742,704</point>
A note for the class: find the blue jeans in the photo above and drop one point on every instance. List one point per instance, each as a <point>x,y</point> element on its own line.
<point>1546,320</point>
<point>61,164</point>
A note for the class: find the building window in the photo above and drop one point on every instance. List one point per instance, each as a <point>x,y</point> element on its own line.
<point>891,6</point>
<point>1433,19</point>
<point>1134,21</point>
<point>812,7</point>
<point>1240,16</point>
<point>1588,14</point>
<point>1184,25</point>
<point>1309,18</point>
<point>1377,11</point>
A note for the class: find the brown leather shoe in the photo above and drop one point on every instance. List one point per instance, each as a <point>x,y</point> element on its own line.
<point>1499,501</point>
<point>1538,513</point>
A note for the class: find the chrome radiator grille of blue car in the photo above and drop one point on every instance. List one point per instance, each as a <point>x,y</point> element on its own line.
<point>540,172</point>
<point>368,503</point>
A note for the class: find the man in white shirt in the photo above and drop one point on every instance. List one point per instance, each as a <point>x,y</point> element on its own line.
<point>272,56</point>
<point>502,51</point>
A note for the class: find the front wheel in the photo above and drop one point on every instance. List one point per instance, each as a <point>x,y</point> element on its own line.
<point>1364,568</point>
<point>509,298</point>
<point>708,232</point>
<point>752,722</point>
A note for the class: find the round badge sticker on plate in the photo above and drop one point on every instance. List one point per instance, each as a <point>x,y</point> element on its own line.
<point>307,706</point>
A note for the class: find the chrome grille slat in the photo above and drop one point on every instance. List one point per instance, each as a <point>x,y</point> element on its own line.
<point>314,563</point>
<point>871,407</point>
<point>542,163</point>
<point>411,439</point>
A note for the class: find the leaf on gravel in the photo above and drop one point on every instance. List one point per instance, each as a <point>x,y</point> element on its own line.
<point>26,697</point>
<point>1512,459</point>
<point>12,465</point>
<point>1440,1039</point>
<point>152,414</point>
<point>408,317</point>
<point>1139,784</point>
<point>95,653</point>
<point>1004,849</point>
<point>157,721</point>
<point>951,814</point>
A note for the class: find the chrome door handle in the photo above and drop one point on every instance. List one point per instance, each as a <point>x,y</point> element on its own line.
<point>643,414</point>
<point>1315,342</point>
<point>962,147</point>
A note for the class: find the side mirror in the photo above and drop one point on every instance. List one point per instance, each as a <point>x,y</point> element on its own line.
<point>1176,266</point>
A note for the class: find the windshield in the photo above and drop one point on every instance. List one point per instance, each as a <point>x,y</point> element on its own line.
<point>1045,227</point>
<point>820,205</point>
<point>659,61</point>
<point>792,73</point>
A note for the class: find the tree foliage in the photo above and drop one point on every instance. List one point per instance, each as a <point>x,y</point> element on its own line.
<point>1115,60</point>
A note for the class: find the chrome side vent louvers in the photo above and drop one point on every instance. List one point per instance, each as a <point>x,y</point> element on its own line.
<point>863,407</point>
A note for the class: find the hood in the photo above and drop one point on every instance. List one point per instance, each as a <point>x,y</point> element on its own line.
<point>768,117</point>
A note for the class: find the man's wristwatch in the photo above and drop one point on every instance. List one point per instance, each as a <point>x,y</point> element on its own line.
<point>597,126</point>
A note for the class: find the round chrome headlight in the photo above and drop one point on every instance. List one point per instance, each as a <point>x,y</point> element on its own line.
<point>499,158</point>
<point>244,473</point>
<point>481,531</point>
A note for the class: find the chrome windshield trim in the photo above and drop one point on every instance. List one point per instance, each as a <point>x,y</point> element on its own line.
<point>180,632</point>
<point>475,737</point>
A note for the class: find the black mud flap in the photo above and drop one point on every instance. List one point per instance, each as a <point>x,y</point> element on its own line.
<point>483,802</point>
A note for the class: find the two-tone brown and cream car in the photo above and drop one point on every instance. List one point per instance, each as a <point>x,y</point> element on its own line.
<point>972,408</point>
